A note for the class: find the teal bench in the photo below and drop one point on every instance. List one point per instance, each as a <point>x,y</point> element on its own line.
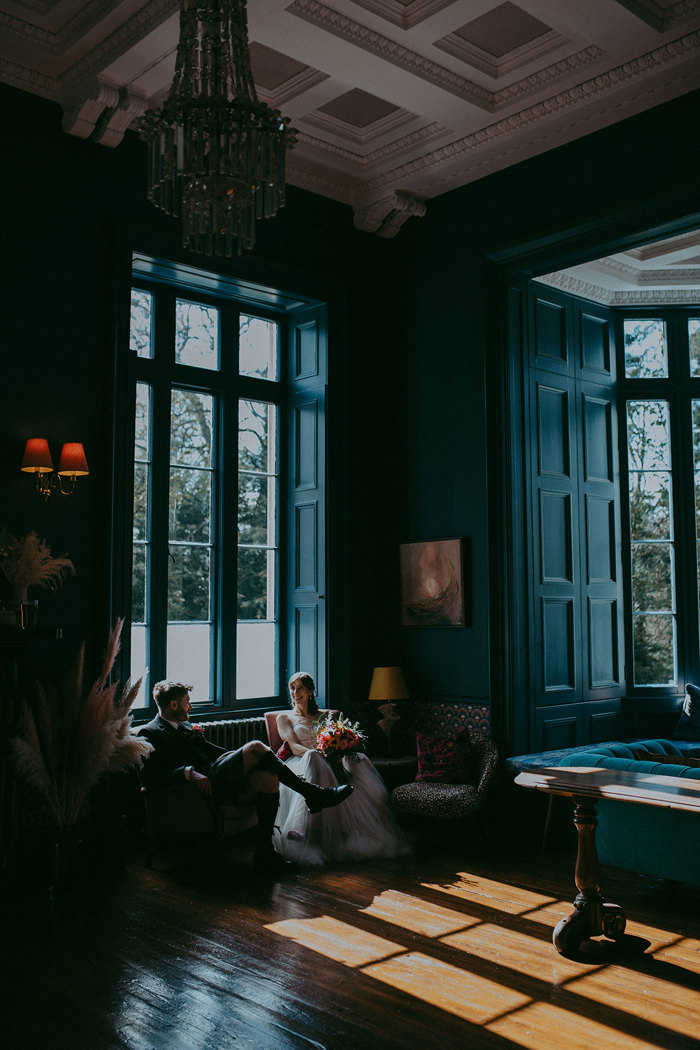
<point>659,842</point>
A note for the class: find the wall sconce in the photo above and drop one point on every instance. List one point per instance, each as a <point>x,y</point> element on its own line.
<point>72,464</point>
<point>388,684</point>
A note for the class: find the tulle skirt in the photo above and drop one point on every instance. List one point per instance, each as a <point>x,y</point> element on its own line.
<point>360,828</point>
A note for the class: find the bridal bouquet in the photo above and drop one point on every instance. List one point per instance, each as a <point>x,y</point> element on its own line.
<point>338,738</point>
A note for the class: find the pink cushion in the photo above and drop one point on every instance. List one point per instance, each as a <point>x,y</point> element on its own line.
<point>284,752</point>
<point>445,760</point>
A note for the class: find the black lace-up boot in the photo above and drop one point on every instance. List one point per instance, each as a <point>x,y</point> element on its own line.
<point>316,798</point>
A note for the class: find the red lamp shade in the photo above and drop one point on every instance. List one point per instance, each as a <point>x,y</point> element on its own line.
<point>73,462</point>
<point>37,458</point>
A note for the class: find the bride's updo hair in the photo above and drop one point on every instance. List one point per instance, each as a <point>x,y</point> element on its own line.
<point>308,683</point>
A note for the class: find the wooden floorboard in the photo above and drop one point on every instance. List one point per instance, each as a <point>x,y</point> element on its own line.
<point>439,950</point>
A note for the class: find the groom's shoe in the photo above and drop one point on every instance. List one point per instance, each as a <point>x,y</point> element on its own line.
<point>318,798</point>
<point>267,861</point>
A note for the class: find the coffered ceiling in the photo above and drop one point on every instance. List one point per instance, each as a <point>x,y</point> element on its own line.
<point>395,101</point>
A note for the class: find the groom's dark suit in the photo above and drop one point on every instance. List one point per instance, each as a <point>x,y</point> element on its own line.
<point>176,749</point>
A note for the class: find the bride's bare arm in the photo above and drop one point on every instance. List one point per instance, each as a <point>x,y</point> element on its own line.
<point>286,731</point>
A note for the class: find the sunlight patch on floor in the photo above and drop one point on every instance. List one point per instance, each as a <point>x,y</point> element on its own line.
<point>460,992</point>
<point>419,916</point>
<point>336,940</point>
<point>647,997</point>
<point>517,951</point>
<point>496,895</point>
<point>543,1026</point>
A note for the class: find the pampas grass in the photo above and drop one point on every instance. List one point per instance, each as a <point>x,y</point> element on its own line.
<point>29,562</point>
<point>70,738</point>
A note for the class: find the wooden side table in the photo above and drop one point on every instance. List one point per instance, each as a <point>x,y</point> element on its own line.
<point>395,771</point>
<point>593,915</point>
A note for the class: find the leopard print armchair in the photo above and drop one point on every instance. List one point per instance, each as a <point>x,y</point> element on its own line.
<point>451,801</point>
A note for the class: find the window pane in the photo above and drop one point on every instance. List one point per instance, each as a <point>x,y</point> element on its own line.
<point>139,635</point>
<point>141,328</point>
<point>188,582</point>
<point>138,584</point>
<point>694,345</point>
<point>254,584</point>
<point>645,349</point>
<point>651,518</point>
<point>650,505</point>
<point>191,433</point>
<point>190,504</point>
<point>256,495</point>
<point>140,553</point>
<point>196,335</point>
<point>189,658</point>
<point>256,436</point>
<point>648,436</point>
<point>654,650</point>
<point>258,348</point>
<point>257,660</point>
<point>652,587</point>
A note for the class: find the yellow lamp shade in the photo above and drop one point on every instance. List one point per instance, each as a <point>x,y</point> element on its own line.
<point>388,683</point>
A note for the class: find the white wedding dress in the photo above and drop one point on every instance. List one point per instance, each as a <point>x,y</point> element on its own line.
<point>359,828</point>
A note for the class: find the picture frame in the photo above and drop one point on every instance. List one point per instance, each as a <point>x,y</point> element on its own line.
<point>432,583</point>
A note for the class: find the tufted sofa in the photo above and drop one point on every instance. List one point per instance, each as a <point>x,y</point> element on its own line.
<point>446,802</point>
<point>656,841</point>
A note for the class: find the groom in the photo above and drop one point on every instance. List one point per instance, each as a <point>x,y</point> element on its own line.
<point>182,753</point>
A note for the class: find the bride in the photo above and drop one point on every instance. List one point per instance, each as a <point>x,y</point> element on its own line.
<point>363,827</point>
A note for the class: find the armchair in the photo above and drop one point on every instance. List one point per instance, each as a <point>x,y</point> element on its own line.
<point>183,810</point>
<point>451,801</point>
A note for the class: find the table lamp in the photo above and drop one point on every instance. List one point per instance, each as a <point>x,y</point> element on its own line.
<point>388,684</point>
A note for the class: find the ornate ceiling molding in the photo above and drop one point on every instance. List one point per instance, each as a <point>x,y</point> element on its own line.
<point>633,275</point>
<point>562,101</point>
<point>660,15</point>
<point>474,56</point>
<point>617,297</point>
<point>405,15</point>
<point>396,120</point>
<point>339,25</point>
<point>297,85</point>
<point>386,217</point>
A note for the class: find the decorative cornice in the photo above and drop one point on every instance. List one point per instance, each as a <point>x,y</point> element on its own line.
<point>125,36</point>
<point>296,85</point>
<point>318,14</point>
<point>616,297</point>
<point>83,108</point>
<point>79,25</point>
<point>112,124</point>
<point>404,15</point>
<point>661,16</point>
<point>393,122</point>
<point>564,100</point>
<point>457,46</point>
<point>28,80</point>
<point>386,217</point>
<point>345,28</point>
<point>633,275</point>
<point>320,147</point>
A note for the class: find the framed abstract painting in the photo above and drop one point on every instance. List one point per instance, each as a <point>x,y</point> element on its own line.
<point>432,583</point>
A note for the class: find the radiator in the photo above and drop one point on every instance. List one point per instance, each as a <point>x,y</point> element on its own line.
<point>235,732</point>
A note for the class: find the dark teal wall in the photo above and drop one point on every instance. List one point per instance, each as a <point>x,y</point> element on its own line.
<point>64,202</point>
<point>577,201</point>
<point>415,353</point>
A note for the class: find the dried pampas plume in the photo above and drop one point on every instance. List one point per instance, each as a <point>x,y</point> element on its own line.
<point>29,562</point>
<point>69,739</point>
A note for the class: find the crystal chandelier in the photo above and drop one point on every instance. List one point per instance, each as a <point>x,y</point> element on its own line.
<point>216,153</point>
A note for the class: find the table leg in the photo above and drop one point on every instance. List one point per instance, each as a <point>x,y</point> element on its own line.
<point>592,915</point>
